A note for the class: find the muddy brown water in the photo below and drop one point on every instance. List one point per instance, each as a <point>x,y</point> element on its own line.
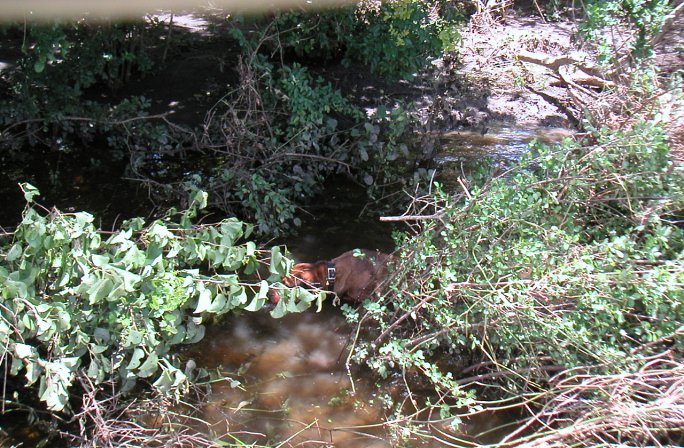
<point>288,380</point>
<point>293,383</point>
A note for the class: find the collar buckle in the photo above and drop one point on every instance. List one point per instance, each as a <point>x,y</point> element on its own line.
<point>332,274</point>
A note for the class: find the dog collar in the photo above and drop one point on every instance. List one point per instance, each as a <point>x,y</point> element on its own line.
<point>332,274</point>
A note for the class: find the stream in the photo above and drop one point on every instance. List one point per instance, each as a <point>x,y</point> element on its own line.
<point>293,381</point>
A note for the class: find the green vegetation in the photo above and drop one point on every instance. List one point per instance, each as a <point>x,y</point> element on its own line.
<point>111,305</point>
<point>575,258</point>
<point>268,143</point>
<point>633,24</point>
<point>555,288</point>
<point>395,39</point>
<point>46,102</point>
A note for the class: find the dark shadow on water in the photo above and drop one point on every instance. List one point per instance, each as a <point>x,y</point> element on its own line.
<point>335,222</point>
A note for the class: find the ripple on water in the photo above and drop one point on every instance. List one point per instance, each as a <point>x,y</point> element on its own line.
<point>499,143</point>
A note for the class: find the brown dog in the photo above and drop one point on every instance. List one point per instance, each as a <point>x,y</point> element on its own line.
<point>352,276</point>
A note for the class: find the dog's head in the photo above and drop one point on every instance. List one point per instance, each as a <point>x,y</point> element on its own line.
<point>306,275</point>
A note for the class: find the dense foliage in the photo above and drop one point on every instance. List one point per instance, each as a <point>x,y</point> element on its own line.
<point>573,260</point>
<point>395,38</point>
<point>268,142</point>
<point>78,301</point>
<point>47,101</point>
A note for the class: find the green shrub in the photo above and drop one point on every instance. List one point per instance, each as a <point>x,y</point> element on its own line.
<point>633,24</point>
<point>47,103</point>
<point>112,305</point>
<point>395,38</point>
<point>576,259</point>
<point>284,131</point>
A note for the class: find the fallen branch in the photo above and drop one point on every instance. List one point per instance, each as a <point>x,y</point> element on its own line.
<point>592,76</point>
<point>411,217</point>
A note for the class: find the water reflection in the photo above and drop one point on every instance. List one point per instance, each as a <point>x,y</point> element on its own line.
<point>294,385</point>
<point>294,382</point>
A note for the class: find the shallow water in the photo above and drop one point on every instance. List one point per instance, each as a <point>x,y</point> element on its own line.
<point>288,379</point>
<point>501,144</point>
<point>293,381</point>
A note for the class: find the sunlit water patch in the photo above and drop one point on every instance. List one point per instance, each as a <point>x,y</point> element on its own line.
<point>496,142</point>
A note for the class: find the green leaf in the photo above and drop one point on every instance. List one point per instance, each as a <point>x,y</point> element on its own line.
<point>279,310</point>
<point>194,332</point>
<point>33,371</point>
<point>100,290</point>
<point>218,305</point>
<point>137,356</point>
<point>24,351</point>
<point>15,252</point>
<point>263,289</point>
<point>133,339</point>
<point>251,248</point>
<point>256,304</point>
<point>29,192</point>
<point>149,367</point>
<point>276,266</point>
<point>204,301</point>
<point>100,260</point>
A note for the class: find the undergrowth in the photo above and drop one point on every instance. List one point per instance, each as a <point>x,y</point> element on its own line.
<point>570,264</point>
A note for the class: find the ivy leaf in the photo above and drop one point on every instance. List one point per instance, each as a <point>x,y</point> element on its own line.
<point>255,305</point>
<point>260,299</point>
<point>33,372</point>
<point>200,198</point>
<point>100,260</point>
<point>137,356</point>
<point>280,310</point>
<point>276,267</point>
<point>134,339</point>
<point>100,290</point>
<point>24,351</point>
<point>14,253</point>
<point>251,248</point>
<point>218,305</point>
